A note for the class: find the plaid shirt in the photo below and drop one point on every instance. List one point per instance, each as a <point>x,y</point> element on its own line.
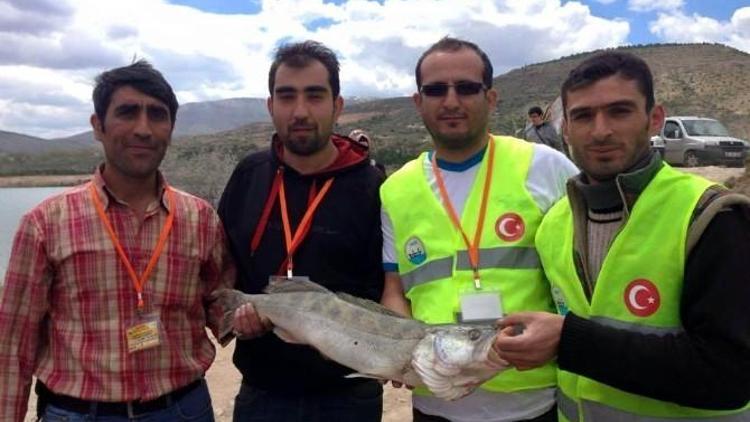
<point>68,299</point>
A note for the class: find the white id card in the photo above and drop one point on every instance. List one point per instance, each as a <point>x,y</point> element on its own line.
<point>481,306</point>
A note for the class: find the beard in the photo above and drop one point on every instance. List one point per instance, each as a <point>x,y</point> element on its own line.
<point>458,141</point>
<point>306,145</point>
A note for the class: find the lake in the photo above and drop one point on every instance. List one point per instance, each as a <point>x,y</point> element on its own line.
<point>14,202</point>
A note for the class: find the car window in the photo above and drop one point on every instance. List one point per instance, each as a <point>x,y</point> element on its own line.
<point>672,130</point>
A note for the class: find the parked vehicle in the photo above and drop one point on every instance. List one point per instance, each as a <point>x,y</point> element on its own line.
<point>693,141</point>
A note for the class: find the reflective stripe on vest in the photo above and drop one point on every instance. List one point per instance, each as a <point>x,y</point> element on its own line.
<point>638,328</point>
<point>519,257</point>
<point>595,412</point>
<point>433,270</point>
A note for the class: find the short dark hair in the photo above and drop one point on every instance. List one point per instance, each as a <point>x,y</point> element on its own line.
<point>452,45</point>
<point>301,54</point>
<point>610,63</point>
<point>535,110</point>
<point>140,76</point>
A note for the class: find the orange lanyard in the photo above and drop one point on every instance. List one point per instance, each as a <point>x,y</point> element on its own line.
<point>304,226</point>
<point>473,247</point>
<point>137,282</point>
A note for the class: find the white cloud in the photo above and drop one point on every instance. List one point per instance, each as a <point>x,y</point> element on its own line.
<point>210,56</point>
<point>651,5</point>
<point>679,27</point>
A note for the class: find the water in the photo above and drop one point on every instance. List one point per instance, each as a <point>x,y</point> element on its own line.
<point>14,202</point>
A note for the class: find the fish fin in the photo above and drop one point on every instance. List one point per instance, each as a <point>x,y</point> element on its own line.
<point>358,375</point>
<point>295,284</point>
<point>286,335</point>
<point>368,304</point>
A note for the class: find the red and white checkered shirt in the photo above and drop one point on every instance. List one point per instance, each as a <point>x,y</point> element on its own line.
<point>68,299</point>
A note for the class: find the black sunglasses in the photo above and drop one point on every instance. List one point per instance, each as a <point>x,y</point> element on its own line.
<point>440,89</point>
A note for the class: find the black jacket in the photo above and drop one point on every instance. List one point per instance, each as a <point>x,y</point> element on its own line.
<point>342,251</point>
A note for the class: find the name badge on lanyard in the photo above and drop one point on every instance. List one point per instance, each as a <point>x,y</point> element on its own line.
<point>143,333</point>
<point>476,306</point>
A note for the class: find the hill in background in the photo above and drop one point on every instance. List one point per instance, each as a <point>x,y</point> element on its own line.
<point>690,79</point>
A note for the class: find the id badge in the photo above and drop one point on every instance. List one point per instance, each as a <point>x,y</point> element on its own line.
<point>143,333</point>
<point>483,305</point>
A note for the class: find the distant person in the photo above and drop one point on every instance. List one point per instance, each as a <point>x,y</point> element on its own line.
<point>647,266</point>
<point>306,207</point>
<point>459,224</point>
<point>360,136</point>
<point>540,131</point>
<point>364,139</point>
<point>106,296</point>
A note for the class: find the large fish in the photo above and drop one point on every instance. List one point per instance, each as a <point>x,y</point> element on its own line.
<point>451,360</point>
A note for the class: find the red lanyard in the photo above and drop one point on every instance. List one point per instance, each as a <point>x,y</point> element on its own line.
<point>473,247</point>
<point>137,282</point>
<point>291,241</point>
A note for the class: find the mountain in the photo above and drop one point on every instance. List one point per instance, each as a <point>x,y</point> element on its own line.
<point>690,79</point>
<point>14,143</point>
<point>217,116</point>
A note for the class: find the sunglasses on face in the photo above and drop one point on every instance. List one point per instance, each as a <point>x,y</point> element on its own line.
<point>440,89</point>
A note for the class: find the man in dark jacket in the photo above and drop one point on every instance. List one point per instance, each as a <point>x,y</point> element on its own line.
<point>308,170</point>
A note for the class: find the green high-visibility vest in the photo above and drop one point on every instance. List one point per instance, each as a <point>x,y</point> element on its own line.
<point>433,261</point>
<point>638,288</point>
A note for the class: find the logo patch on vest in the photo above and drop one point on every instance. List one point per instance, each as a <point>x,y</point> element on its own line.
<point>510,227</point>
<point>642,297</point>
<point>415,250</point>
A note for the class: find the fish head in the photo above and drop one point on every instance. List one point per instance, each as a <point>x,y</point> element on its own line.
<point>463,345</point>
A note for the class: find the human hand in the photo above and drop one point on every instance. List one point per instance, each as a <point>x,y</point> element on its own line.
<point>247,324</point>
<point>528,340</point>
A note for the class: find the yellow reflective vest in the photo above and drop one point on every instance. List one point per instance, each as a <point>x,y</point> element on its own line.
<point>638,288</point>
<point>433,261</point>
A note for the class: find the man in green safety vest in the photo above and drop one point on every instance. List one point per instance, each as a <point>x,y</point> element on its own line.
<point>646,266</point>
<point>458,228</point>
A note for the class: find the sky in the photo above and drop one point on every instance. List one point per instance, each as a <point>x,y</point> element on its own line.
<point>51,50</point>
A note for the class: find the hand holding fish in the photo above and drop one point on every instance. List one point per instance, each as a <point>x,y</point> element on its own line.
<point>535,345</point>
<point>247,324</point>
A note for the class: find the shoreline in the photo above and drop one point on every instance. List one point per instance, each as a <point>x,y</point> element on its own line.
<point>43,180</point>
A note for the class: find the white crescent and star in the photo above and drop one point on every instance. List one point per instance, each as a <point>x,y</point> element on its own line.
<point>509,227</point>
<point>633,299</point>
<point>645,304</point>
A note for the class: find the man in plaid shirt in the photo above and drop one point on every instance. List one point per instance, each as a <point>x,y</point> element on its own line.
<point>107,293</point>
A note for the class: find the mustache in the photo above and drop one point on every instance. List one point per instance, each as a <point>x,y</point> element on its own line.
<point>452,116</point>
<point>298,126</point>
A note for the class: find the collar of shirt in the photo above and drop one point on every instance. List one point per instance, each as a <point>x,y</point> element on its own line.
<point>106,194</point>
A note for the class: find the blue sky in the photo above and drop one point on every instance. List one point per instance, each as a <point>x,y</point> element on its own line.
<point>51,50</point>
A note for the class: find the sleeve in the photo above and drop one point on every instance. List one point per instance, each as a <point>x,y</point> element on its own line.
<point>548,175</point>
<point>23,307</point>
<point>228,214</point>
<point>705,366</point>
<point>218,272</point>
<point>375,274</point>
<point>390,260</point>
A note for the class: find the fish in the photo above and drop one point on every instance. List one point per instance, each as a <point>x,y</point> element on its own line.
<point>451,360</point>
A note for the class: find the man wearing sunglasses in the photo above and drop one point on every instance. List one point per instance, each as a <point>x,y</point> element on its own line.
<point>459,223</point>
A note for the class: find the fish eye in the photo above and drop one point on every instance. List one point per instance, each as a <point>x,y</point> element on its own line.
<point>474,334</point>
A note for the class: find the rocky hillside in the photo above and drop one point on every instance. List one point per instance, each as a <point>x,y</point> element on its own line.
<point>691,79</point>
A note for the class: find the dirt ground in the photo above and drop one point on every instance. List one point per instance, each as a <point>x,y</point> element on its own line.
<point>223,378</point>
